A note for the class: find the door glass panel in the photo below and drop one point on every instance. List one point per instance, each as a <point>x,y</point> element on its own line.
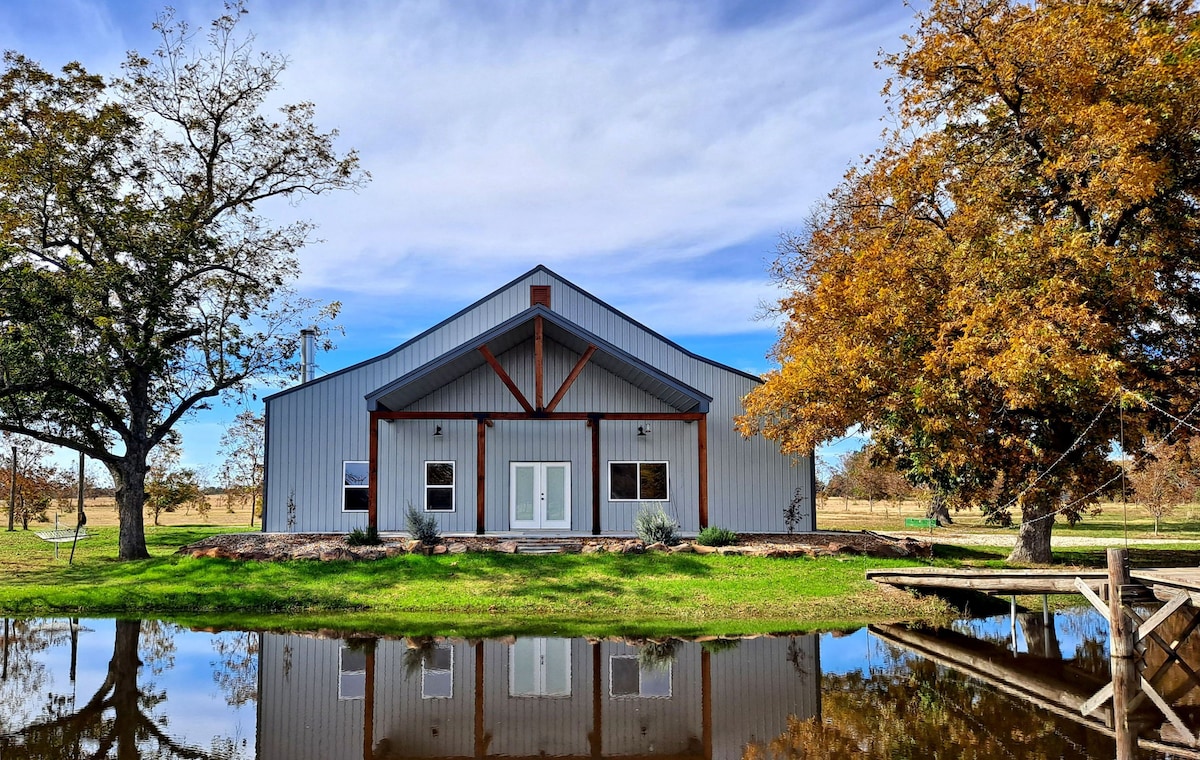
<point>557,663</point>
<point>525,497</point>
<point>523,661</point>
<point>556,493</point>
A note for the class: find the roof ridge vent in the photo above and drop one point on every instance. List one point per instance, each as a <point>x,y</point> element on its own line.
<point>539,295</point>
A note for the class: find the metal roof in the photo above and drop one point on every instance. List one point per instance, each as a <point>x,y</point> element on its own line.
<point>452,365</point>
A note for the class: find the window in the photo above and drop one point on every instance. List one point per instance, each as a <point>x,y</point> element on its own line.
<point>437,673</point>
<point>352,674</point>
<point>355,481</point>
<point>629,678</point>
<point>439,486</point>
<point>638,481</point>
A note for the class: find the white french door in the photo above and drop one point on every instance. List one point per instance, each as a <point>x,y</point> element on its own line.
<point>540,495</point>
<point>539,668</point>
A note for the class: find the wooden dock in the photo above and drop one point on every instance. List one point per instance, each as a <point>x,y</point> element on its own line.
<point>1117,593</point>
<point>1164,583</point>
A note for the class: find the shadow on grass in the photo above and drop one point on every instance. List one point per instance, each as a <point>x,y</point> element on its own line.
<point>967,553</point>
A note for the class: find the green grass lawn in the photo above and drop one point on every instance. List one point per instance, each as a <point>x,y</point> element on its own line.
<point>484,592</point>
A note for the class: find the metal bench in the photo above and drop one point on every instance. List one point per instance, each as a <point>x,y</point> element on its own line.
<point>64,536</point>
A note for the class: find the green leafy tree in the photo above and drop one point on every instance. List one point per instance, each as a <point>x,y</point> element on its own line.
<point>977,293</point>
<point>243,446</point>
<point>138,280</point>
<point>170,487</point>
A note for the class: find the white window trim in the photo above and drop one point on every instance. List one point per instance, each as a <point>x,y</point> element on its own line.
<point>641,670</point>
<point>342,673</point>
<point>364,487</point>
<point>640,462</point>
<point>453,487</point>
<point>450,670</point>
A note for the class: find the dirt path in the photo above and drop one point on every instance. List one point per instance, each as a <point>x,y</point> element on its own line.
<point>944,536</point>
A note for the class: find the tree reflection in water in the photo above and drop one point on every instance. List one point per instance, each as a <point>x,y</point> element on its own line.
<point>119,720</point>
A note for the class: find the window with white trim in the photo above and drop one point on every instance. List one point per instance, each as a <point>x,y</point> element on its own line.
<point>638,481</point>
<point>628,677</point>
<point>439,486</point>
<point>355,482</point>
<point>437,673</point>
<point>352,673</point>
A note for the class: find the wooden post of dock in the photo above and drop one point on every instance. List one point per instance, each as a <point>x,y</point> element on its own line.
<point>1121,649</point>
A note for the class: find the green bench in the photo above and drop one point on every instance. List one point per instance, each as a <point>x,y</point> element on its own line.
<point>920,522</point>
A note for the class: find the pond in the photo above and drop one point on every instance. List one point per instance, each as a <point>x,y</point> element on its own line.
<point>995,687</point>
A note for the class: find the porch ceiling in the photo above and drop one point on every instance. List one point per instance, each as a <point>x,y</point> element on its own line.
<point>405,390</point>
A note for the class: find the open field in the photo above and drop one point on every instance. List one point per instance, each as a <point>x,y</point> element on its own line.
<point>102,512</point>
<point>1114,522</point>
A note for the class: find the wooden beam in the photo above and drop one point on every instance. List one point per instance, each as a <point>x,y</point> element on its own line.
<point>571,378</point>
<point>504,378</point>
<point>1163,613</point>
<point>702,468</point>
<point>532,415</point>
<point>706,708</point>
<point>539,365</point>
<point>595,425</point>
<point>369,705</point>
<point>480,475</point>
<point>596,735</point>
<point>373,474</point>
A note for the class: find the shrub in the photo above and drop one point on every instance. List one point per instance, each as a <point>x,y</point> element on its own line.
<point>714,536</point>
<point>423,528</point>
<point>655,526</point>
<point>360,537</point>
<point>657,655</point>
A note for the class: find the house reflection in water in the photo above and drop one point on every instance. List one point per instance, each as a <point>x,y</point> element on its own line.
<point>380,699</point>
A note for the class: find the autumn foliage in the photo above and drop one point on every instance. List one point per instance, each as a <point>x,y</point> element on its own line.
<point>1016,263</point>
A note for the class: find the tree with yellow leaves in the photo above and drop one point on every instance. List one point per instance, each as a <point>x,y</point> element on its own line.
<point>980,292</point>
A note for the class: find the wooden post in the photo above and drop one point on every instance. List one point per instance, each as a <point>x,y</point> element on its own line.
<point>480,475</point>
<point>539,383</point>
<point>481,741</point>
<point>595,423</point>
<point>596,735</point>
<point>1122,640</point>
<point>369,705</point>
<point>373,475</point>
<point>706,716</point>
<point>702,468</point>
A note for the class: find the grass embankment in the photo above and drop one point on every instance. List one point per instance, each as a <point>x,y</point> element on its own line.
<point>467,594</point>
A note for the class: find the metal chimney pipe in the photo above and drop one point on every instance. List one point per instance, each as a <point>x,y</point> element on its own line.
<point>307,365</point>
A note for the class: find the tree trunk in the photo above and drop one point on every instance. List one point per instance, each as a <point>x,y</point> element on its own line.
<point>130,480</point>
<point>123,672</point>
<point>1033,540</point>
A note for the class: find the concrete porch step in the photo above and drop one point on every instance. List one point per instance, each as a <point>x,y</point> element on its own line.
<point>533,546</point>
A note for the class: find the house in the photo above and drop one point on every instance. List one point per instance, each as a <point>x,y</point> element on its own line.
<point>538,408</point>
<point>452,699</point>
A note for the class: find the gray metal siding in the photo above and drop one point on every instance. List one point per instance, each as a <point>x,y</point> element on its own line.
<point>315,428</point>
<point>646,726</point>
<point>757,686</point>
<point>300,715</point>
<point>411,725</point>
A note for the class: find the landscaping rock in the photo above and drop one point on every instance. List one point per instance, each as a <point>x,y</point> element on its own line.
<point>657,546</point>
<point>736,551</point>
<point>632,547</point>
<point>593,549</point>
<point>702,549</point>
<point>440,549</point>
<point>457,548</point>
<point>508,547</point>
<point>394,551</point>
<point>372,553</point>
<point>681,549</point>
<point>338,555</point>
<point>413,546</point>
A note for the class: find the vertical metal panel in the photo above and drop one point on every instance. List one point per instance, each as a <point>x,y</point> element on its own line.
<point>316,427</point>
<point>537,726</point>
<point>410,724</point>
<point>757,685</point>
<point>300,715</point>
<point>646,726</point>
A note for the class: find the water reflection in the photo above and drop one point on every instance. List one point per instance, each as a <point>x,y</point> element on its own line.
<point>986,688</point>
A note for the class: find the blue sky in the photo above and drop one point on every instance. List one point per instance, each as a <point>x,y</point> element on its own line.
<point>651,152</point>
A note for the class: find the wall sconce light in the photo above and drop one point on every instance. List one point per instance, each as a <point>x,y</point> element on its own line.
<point>437,432</point>
<point>643,431</point>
